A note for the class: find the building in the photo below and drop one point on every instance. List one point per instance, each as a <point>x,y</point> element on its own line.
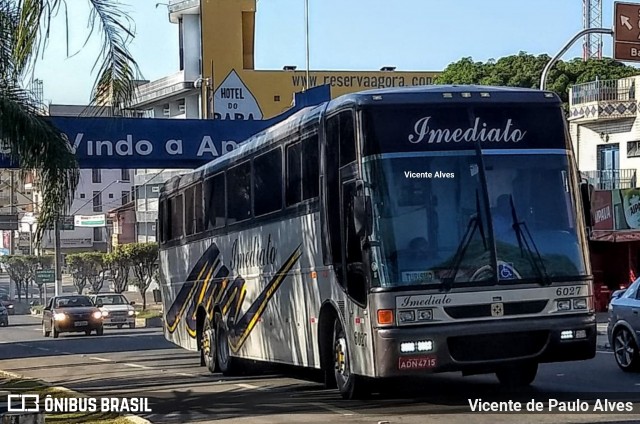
<point>98,192</point>
<point>218,35</point>
<point>124,224</point>
<point>605,129</point>
<point>16,211</point>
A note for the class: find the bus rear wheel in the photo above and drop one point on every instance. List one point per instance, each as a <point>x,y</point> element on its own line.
<point>517,375</point>
<point>350,385</point>
<point>228,364</point>
<point>208,346</point>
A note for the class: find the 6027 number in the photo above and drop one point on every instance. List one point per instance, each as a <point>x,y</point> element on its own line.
<point>568,291</point>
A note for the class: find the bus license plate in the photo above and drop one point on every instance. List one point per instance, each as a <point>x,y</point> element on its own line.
<point>417,362</point>
<point>80,323</point>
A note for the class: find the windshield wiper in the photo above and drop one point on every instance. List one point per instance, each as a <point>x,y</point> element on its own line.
<point>533,254</point>
<point>475,223</point>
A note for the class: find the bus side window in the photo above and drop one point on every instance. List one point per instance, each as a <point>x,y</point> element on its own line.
<point>199,209</point>
<point>347,139</point>
<point>294,174</point>
<point>310,167</point>
<point>189,211</point>
<point>177,216</point>
<point>267,182</point>
<point>239,193</point>
<point>214,203</point>
<point>332,183</point>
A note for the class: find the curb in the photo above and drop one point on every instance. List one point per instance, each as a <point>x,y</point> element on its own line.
<point>132,418</point>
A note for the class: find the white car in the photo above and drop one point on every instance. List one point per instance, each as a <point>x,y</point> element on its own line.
<point>116,309</point>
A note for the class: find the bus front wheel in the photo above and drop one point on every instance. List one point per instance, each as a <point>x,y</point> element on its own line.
<point>517,375</point>
<point>351,386</point>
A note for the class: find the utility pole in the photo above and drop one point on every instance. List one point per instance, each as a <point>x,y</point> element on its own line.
<point>58,258</point>
<point>11,231</point>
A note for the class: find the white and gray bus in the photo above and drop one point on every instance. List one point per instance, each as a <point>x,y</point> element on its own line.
<point>383,234</point>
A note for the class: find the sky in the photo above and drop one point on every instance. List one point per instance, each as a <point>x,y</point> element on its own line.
<point>412,35</point>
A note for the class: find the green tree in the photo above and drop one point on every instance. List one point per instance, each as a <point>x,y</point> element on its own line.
<point>87,269</point>
<point>144,257</point>
<point>18,270</point>
<point>119,263</point>
<point>524,70</point>
<point>25,27</point>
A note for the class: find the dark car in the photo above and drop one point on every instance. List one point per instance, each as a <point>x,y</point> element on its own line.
<point>4,316</point>
<point>7,303</point>
<point>71,314</point>
<point>624,327</point>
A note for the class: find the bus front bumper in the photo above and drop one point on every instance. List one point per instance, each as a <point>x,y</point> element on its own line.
<point>482,347</point>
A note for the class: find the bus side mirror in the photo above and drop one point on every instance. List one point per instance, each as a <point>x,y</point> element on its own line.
<point>362,218</point>
<point>585,192</point>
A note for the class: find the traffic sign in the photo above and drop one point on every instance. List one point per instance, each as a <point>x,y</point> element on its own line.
<point>626,32</point>
<point>45,276</point>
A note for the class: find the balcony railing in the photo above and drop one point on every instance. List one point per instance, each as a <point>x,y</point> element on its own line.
<point>610,179</point>
<point>600,91</point>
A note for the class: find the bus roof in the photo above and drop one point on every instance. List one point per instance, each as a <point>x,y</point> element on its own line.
<point>432,94</point>
<point>446,94</point>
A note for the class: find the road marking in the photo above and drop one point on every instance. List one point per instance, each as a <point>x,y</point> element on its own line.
<point>559,375</point>
<point>95,358</point>
<point>137,366</point>
<point>333,409</point>
<point>249,386</point>
<point>42,348</point>
<point>605,351</point>
<point>184,374</point>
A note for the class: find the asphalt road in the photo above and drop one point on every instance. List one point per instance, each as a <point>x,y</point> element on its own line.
<point>140,362</point>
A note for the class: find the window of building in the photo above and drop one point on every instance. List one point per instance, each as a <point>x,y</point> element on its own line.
<point>125,175</point>
<point>239,193</point>
<point>82,195</point>
<point>214,193</point>
<point>633,149</point>
<point>267,182</point>
<point>98,234</point>
<point>110,195</point>
<point>125,197</point>
<point>96,176</point>
<point>97,201</point>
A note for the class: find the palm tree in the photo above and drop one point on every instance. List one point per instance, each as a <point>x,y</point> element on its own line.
<point>33,141</point>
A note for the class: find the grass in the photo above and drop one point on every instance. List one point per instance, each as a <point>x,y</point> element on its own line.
<point>32,386</point>
<point>149,313</point>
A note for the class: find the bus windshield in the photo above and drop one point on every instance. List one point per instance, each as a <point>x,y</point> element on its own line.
<point>463,217</point>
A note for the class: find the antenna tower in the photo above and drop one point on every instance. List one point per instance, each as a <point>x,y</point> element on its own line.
<point>592,18</point>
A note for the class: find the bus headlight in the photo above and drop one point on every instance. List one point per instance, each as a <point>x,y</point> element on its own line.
<point>131,313</point>
<point>580,303</point>
<point>406,316</point>
<point>425,314</point>
<point>564,305</point>
<point>425,346</point>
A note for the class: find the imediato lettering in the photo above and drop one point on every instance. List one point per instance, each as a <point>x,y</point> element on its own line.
<point>479,132</point>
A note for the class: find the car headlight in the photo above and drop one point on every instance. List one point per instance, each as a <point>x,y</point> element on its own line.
<point>97,314</point>
<point>105,313</point>
<point>9,306</point>
<point>59,316</point>
<point>131,313</point>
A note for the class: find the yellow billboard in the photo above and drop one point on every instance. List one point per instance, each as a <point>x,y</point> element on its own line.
<point>241,92</point>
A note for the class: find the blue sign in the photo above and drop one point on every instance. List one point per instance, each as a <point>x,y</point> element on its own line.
<point>136,143</point>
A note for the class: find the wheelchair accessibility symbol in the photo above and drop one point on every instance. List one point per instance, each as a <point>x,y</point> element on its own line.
<point>506,272</point>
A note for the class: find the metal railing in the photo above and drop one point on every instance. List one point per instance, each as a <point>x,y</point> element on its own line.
<point>610,179</point>
<point>606,90</point>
